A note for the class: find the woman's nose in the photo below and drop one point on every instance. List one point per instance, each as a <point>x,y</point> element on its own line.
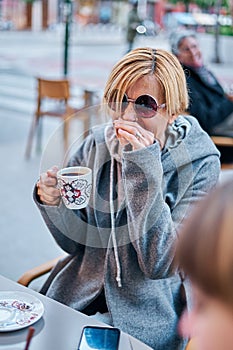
<point>129,114</point>
<point>193,49</point>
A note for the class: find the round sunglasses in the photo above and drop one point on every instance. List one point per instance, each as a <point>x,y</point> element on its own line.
<point>145,106</point>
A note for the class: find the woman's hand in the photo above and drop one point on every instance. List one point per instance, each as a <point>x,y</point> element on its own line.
<point>131,132</point>
<point>46,187</point>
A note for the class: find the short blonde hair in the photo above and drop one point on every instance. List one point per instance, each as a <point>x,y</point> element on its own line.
<point>166,69</point>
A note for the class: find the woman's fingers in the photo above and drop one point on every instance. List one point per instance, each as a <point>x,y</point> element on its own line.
<point>136,140</point>
<point>134,134</point>
<point>47,198</point>
<point>132,128</point>
<point>46,187</point>
<point>53,171</point>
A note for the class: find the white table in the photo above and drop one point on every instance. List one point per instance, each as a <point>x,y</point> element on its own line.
<point>59,328</point>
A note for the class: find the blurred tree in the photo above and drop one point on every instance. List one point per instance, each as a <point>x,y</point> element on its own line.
<point>208,5</point>
<point>217,58</point>
<point>67,12</point>
<point>185,2</point>
<point>204,4</point>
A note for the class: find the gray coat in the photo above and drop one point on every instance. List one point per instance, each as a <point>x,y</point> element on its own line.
<point>151,193</point>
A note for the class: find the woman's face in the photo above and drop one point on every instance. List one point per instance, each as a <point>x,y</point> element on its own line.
<point>190,53</point>
<point>130,123</point>
<point>210,323</point>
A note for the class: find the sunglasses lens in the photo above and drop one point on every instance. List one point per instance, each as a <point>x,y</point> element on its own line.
<point>124,103</point>
<point>146,106</point>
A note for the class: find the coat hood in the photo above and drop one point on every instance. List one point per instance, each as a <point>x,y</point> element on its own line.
<point>186,143</point>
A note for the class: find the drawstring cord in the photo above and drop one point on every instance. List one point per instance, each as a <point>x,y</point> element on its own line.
<point>118,276</point>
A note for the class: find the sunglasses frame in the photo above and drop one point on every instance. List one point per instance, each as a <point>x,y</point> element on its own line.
<point>130,100</point>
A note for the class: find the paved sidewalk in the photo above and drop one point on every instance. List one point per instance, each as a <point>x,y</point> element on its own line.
<point>36,53</point>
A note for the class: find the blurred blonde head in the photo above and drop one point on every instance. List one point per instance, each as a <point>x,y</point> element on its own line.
<point>205,249</point>
<point>166,70</point>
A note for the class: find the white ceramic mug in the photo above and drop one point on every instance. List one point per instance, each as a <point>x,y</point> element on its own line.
<point>75,185</point>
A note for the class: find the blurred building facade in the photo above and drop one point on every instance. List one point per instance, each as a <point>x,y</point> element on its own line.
<point>41,14</point>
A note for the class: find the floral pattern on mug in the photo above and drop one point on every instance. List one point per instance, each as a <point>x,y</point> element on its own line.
<point>76,191</point>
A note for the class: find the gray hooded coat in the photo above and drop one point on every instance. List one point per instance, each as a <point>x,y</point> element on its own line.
<point>123,242</point>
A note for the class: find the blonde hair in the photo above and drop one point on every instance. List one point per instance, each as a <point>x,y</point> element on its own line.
<point>205,247</point>
<point>166,69</point>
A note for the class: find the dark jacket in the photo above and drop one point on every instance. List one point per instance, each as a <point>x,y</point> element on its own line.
<point>208,103</point>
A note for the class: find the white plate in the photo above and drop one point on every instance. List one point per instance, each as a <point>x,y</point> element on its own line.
<point>18,310</point>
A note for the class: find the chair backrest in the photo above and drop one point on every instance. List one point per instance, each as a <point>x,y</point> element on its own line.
<point>57,89</point>
<point>222,141</point>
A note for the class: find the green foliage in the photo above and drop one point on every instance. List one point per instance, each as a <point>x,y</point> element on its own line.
<point>28,1</point>
<point>177,1</point>
<point>204,4</point>
<point>226,30</point>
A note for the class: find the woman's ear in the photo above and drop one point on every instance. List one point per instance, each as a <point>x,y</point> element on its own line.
<point>172,118</point>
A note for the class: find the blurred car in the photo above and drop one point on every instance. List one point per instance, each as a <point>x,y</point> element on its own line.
<point>173,20</point>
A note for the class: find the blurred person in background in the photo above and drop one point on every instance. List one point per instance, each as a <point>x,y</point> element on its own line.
<point>149,169</point>
<point>208,102</point>
<point>132,23</point>
<point>205,254</point>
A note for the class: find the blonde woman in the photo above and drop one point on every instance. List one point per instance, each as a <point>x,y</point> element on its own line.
<point>150,164</point>
<point>205,253</point>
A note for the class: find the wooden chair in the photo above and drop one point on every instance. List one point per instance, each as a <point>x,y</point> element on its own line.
<point>224,141</point>
<point>38,271</point>
<point>57,92</point>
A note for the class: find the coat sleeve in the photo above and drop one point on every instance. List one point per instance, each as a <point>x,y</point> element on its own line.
<point>155,217</point>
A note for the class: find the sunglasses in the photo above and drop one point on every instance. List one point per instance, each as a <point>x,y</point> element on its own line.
<point>145,106</point>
